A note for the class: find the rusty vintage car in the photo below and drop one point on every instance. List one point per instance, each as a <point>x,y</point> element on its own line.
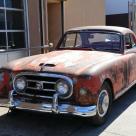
<point>90,68</point>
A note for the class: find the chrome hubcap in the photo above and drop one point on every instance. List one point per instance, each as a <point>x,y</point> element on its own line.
<point>103,103</point>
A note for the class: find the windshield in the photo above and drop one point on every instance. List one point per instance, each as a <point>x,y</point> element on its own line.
<point>103,41</point>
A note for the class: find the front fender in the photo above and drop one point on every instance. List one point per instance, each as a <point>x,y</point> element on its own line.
<point>5,83</point>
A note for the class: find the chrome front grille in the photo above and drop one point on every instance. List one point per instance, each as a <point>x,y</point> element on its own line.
<point>42,85</point>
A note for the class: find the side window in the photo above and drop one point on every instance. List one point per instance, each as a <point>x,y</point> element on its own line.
<point>128,44</point>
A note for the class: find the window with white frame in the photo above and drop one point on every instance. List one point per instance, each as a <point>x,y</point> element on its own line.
<point>12,24</point>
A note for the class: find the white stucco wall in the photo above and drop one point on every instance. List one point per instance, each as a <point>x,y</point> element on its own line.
<point>117,6</point>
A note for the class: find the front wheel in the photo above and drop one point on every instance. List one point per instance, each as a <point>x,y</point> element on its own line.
<point>104,103</point>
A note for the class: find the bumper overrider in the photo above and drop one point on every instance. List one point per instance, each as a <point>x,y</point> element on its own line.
<point>54,106</point>
<point>86,111</point>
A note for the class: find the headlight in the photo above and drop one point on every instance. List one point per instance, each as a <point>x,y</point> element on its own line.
<point>20,84</point>
<point>64,89</point>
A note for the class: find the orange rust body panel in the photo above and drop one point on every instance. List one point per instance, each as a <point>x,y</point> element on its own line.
<point>5,85</point>
<point>89,68</point>
<point>95,65</point>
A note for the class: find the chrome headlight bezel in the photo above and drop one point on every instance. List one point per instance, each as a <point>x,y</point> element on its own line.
<point>64,89</point>
<point>20,84</point>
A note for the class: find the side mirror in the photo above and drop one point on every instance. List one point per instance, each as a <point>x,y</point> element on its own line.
<point>48,48</point>
<point>51,45</point>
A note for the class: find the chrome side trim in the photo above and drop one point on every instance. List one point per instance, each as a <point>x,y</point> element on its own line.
<point>125,90</point>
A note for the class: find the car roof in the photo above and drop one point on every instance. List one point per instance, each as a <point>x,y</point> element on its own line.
<point>121,30</point>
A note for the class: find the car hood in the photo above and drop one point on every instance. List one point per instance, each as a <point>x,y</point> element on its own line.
<point>64,61</point>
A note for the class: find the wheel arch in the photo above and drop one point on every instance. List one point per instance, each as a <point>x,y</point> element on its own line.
<point>111,85</point>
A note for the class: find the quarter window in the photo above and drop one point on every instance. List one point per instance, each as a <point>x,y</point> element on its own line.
<point>12,24</point>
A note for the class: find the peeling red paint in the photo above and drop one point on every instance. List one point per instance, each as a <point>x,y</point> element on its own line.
<point>5,85</point>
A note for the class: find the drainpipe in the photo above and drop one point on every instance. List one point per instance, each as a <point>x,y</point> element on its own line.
<point>62,16</point>
<point>43,23</point>
<point>46,26</point>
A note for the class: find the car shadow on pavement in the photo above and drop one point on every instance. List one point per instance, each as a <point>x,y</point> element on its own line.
<point>39,124</point>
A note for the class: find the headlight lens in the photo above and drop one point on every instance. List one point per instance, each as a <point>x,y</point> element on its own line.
<point>20,84</point>
<point>63,89</point>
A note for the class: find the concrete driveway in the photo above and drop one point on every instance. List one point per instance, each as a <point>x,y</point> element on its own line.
<point>122,122</point>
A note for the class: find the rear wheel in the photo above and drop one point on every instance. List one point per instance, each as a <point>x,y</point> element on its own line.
<point>104,103</point>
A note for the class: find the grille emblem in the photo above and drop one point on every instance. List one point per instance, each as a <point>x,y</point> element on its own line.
<point>39,86</point>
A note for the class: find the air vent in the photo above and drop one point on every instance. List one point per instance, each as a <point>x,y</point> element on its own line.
<point>49,65</point>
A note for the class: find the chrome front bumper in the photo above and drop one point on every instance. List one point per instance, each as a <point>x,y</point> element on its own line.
<point>86,111</point>
<point>62,109</point>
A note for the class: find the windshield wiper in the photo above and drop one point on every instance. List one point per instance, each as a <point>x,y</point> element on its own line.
<point>112,49</point>
<point>88,48</point>
<point>107,49</point>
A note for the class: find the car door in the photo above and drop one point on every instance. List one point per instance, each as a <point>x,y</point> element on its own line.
<point>130,52</point>
<point>5,88</point>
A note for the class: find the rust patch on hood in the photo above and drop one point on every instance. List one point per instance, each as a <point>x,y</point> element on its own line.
<point>67,61</point>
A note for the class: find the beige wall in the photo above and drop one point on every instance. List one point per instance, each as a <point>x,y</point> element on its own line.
<point>84,12</point>
<point>34,25</point>
<point>54,22</point>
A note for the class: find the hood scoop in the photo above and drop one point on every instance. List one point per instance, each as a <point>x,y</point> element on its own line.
<point>49,65</point>
<point>46,65</point>
<point>43,65</point>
